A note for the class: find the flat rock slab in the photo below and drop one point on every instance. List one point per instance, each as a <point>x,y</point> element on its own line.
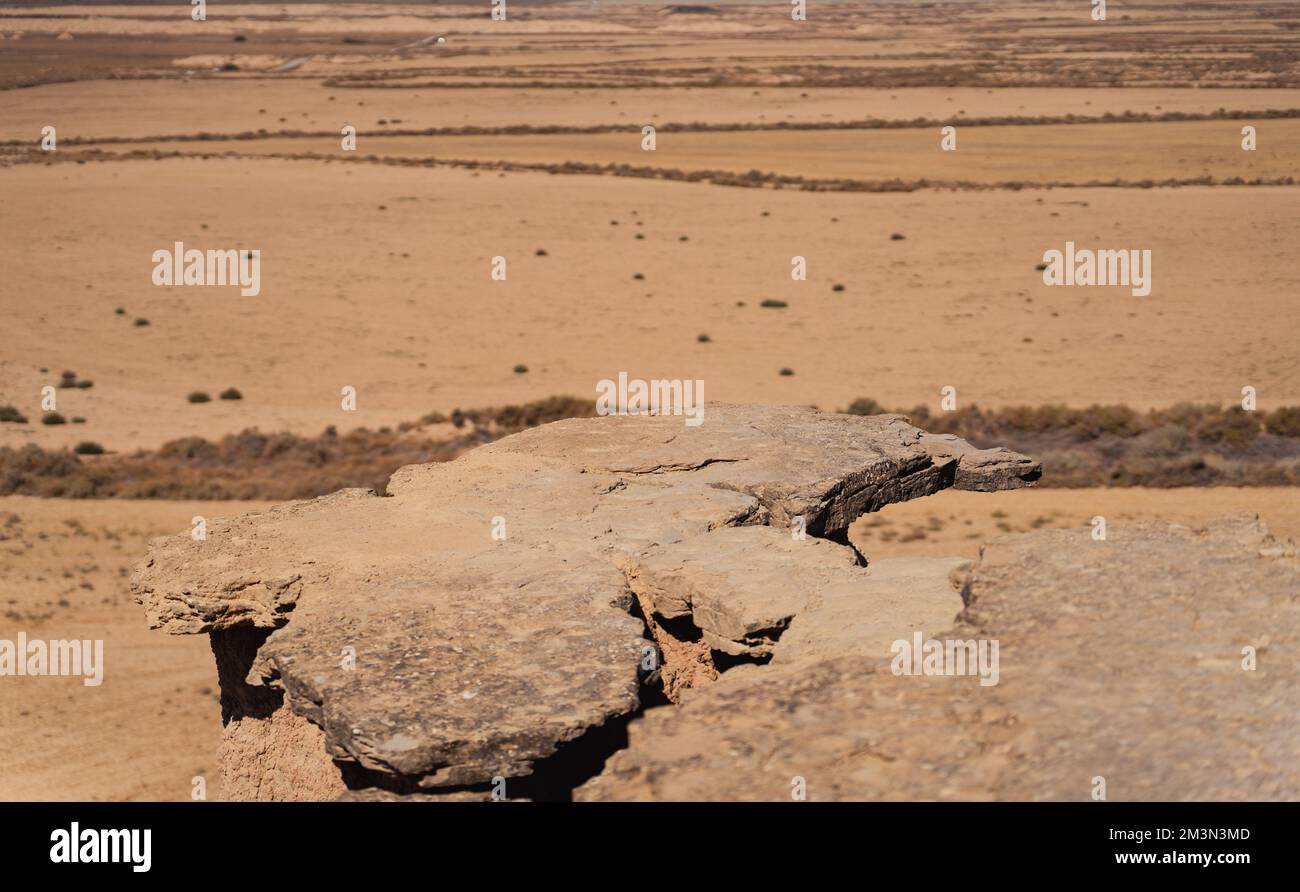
<point>1123,666</point>
<point>762,592</point>
<point>741,586</point>
<point>900,596</point>
<point>478,618</point>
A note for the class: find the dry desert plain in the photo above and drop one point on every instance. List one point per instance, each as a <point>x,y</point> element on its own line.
<point>523,139</point>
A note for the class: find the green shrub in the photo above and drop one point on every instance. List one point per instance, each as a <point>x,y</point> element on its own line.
<point>53,418</point>
<point>86,447</point>
<point>1236,427</point>
<point>1162,442</point>
<point>231,393</point>
<point>553,408</point>
<point>1094,421</point>
<point>1188,416</point>
<point>1035,419</point>
<point>864,406</point>
<point>199,396</point>
<point>9,413</point>
<point>69,379</point>
<point>776,304</point>
<point>1284,422</point>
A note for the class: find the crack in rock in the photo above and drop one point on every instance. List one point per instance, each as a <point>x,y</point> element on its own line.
<point>1121,659</point>
<point>423,651</point>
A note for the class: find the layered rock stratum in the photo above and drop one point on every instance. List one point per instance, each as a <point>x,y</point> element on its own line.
<point>480,617</point>
<point>1157,664</point>
<point>506,621</point>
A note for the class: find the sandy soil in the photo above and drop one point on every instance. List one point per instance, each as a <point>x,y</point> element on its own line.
<point>231,104</point>
<point>371,281</point>
<point>377,276</point>
<point>1071,154</point>
<point>958,523</point>
<point>154,723</point>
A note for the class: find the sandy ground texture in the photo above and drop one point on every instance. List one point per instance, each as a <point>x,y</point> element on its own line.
<point>378,276</point>
<point>141,109</point>
<point>64,740</point>
<point>153,724</point>
<point>985,42</point>
<point>382,281</point>
<point>1075,154</point>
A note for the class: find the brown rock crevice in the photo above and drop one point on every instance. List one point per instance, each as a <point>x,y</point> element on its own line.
<point>267,752</point>
<point>1159,662</point>
<point>479,621</point>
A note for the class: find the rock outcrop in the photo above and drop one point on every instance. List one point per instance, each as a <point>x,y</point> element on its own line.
<point>491,620</point>
<point>501,622</point>
<point>1158,664</point>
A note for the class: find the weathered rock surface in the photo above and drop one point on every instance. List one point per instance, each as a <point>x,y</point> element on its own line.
<point>741,586</point>
<point>1119,660</point>
<point>748,588</point>
<point>434,657</point>
<point>901,596</point>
